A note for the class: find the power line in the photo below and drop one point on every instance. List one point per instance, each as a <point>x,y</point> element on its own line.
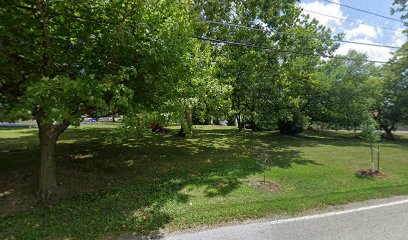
<point>285,51</point>
<point>368,44</point>
<point>305,35</point>
<point>364,11</point>
<point>235,25</point>
<point>348,20</point>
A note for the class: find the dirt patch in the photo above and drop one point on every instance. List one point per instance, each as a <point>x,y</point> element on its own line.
<point>260,185</point>
<point>18,188</point>
<point>18,192</point>
<point>368,173</point>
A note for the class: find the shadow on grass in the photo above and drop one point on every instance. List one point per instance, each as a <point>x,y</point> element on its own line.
<point>349,138</point>
<point>111,189</point>
<point>342,139</point>
<point>287,159</point>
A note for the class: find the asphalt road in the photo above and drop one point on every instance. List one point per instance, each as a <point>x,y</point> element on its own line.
<point>373,220</point>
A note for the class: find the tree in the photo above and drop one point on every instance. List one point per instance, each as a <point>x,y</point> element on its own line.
<point>370,135</point>
<point>392,105</point>
<point>203,93</point>
<point>269,77</point>
<point>344,91</point>
<point>62,59</point>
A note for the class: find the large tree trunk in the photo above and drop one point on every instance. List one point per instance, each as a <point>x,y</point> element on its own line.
<point>186,125</point>
<point>181,132</point>
<point>240,123</point>
<point>189,119</point>
<point>388,131</point>
<point>48,135</point>
<point>48,180</point>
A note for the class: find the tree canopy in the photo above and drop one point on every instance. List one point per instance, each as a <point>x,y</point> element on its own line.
<point>345,91</point>
<point>270,50</point>
<point>260,62</point>
<point>392,105</point>
<point>63,59</point>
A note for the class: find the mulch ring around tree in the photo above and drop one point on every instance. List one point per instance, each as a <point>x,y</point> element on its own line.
<point>368,173</point>
<point>260,185</point>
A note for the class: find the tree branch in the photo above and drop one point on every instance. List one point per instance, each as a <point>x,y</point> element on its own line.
<point>11,96</point>
<point>60,128</point>
<point>46,42</point>
<point>15,59</point>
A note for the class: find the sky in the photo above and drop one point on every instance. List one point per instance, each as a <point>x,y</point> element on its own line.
<point>358,32</point>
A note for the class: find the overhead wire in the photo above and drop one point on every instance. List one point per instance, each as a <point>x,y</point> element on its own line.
<point>364,11</point>
<point>353,21</point>
<point>270,49</point>
<point>304,35</point>
<point>281,50</point>
<point>368,44</point>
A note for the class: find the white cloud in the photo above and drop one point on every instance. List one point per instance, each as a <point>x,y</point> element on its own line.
<point>364,31</point>
<point>361,33</point>
<point>367,34</point>
<point>398,38</point>
<point>373,53</point>
<point>329,9</point>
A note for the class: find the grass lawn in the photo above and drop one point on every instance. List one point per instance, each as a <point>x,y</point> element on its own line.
<point>166,182</point>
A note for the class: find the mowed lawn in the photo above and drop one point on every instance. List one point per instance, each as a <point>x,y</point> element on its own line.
<point>164,182</point>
